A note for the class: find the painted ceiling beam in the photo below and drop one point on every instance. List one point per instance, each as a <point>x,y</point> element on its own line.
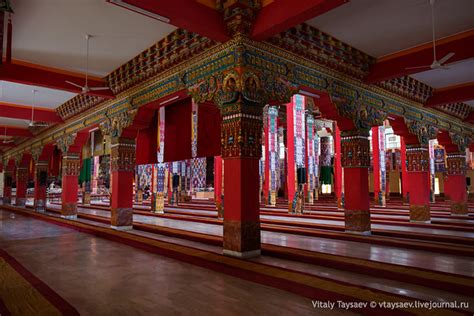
<point>281,15</point>
<point>454,94</point>
<point>15,131</point>
<point>395,65</point>
<point>49,79</point>
<point>186,14</point>
<point>23,112</point>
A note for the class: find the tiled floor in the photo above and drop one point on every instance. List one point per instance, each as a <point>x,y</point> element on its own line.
<point>101,277</point>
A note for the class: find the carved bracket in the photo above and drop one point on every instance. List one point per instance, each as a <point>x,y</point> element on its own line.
<point>424,132</point>
<point>363,115</point>
<point>115,125</point>
<point>462,141</point>
<point>36,153</point>
<point>65,142</point>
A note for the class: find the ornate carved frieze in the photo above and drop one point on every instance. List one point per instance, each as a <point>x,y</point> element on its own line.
<point>355,149</point>
<point>408,87</point>
<point>423,131</point>
<point>71,164</point>
<point>460,110</point>
<point>418,158</point>
<point>315,45</point>
<point>122,155</point>
<point>65,142</point>
<point>114,125</point>
<point>178,46</point>
<point>77,104</point>
<point>455,164</point>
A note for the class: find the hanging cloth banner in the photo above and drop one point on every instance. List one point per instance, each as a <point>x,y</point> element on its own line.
<point>382,166</point>
<point>310,157</point>
<point>432,170</point>
<point>194,129</point>
<point>299,123</point>
<point>273,151</point>
<point>326,166</point>
<point>161,135</point>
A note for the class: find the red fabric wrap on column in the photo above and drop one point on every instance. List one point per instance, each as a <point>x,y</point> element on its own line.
<point>122,158</point>
<point>266,183</point>
<point>338,166</point>
<point>41,177</point>
<point>355,158</point>
<point>241,151</point>
<point>290,157</point>
<point>418,169</point>
<point>218,185</point>
<point>376,162</point>
<point>71,165</point>
<point>7,186</point>
<point>455,183</point>
<point>403,159</point>
<point>21,184</point>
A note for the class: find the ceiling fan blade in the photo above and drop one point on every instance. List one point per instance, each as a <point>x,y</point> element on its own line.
<point>98,88</point>
<point>427,67</point>
<point>74,84</point>
<point>446,58</point>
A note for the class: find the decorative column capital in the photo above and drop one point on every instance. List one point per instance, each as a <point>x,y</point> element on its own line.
<point>418,158</point>
<point>355,149</point>
<point>423,131</point>
<point>65,142</point>
<point>115,125</point>
<point>455,163</point>
<point>71,164</point>
<point>122,154</point>
<point>363,115</point>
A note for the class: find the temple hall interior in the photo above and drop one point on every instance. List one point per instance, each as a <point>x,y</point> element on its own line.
<point>236,157</point>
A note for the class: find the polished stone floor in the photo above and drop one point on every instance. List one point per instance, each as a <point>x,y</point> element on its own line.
<point>101,277</point>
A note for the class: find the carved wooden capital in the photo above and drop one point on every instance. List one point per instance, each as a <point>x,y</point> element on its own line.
<point>71,164</point>
<point>122,155</point>
<point>114,125</point>
<point>462,141</point>
<point>65,142</point>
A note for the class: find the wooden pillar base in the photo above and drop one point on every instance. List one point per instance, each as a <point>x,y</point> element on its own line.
<point>420,213</point>
<point>241,239</point>
<point>357,221</point>
<point>459,208</point>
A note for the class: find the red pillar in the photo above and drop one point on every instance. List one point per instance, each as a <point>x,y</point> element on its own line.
<point>338,167</point>
<point>455,183</point>
<point>41,177</point>
<point>7,186</point>
<point>403,159</point>
<point>21,183</point>
<point>70,171</point>
<point>290,155</point>
<point>376,163</point>
<point>218,185</point>
<point>123,169</point>
<point>418,169</point>
<point>266,183</point>
<point>241,150</point>
<point>355,150</point>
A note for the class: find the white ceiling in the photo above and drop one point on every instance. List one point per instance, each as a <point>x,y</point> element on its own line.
<point>23,95</point>
<point>458,73</point>
<point>382,27</point>
<point>51,33</point>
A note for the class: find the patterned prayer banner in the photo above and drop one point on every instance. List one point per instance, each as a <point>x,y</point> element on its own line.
<point>198,173</point>
<point>144,174</point>
<point>382,175</point>
<point>439,159</point>
<point>299,124</point>
<point>311,152</point>
<point>161,135</point>
<point>194,129</point>
<point>432,168</point>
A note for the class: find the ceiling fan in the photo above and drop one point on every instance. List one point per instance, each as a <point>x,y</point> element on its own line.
<point>5,140</point>
<point>32,123</point>
<point>436,64</point>
<point>85,89</point>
